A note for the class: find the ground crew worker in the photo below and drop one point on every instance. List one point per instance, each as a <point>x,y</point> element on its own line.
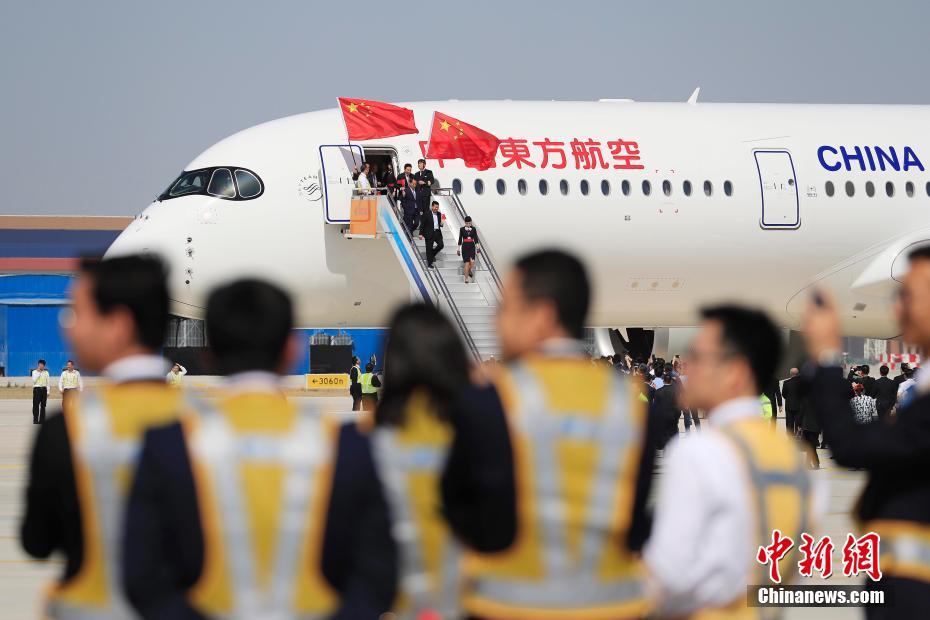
<point>426,369</point>
<point>370,384</point>
<point>574,425</point>
<point>703,564</point>
<point>173,378</point>
<point>69,384</point>
<point>83,460</point>
<point>39,392</point>
<point>355,387</point>
<point>766,403</point>
<point>255,507</point>
<point>896,453</point>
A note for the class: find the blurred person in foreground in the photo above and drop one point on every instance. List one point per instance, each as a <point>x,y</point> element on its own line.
<point>425,371</point>
<point>83,458</point>
<point>702,564</point>
<point>895,451</point>
<point>255,507</point>
<point>557,443</point>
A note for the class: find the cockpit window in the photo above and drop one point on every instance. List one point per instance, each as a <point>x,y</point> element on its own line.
<point>189,183</point>
<point>226,182</point>
<point>221,184</point>
<point>248,184</point>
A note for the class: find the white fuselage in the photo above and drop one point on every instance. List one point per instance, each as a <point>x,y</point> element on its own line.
<point>654,259</point>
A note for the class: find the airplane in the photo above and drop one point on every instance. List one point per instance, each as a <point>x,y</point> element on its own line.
<point>670,205</point>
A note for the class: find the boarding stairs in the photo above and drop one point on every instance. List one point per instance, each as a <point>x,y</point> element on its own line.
<point>472,305</point>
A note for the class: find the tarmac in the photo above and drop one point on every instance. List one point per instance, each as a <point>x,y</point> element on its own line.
<point>23,581</point>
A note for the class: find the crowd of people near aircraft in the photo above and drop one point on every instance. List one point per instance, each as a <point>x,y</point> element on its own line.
<point>509,490</point>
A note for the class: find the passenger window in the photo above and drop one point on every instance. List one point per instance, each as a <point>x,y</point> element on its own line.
<point>828,188</point>
<point>667,187</point>
<point>686,188</point>
<point>584,188</point>
<point>889,189</point>
<point>647,188</point>
<point>501,187</point>
<point>248,184</point>
<point>728,188</point>
<point>456,186</point>
<point>521,187</point>
<point>221,184</point>
<point>909,189</point>
<point>563,187</point>
<point>605,187</point>
<point>479,186</point>
<point>869,189</point>
<point>625,187</point>
<point>708,188</point>
<point>850,189</point>
<point>543,186</point>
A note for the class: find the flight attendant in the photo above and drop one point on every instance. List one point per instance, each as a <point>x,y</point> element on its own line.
<point>468,247</point>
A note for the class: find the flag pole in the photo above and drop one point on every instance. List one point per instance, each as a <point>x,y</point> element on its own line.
<point>432,123</point>
<point>348,138</point>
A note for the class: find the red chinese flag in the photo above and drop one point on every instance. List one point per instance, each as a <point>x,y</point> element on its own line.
<point>450,138</point>
<point>375,119</point>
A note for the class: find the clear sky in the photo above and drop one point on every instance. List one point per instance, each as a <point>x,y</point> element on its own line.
<point>104,102</point>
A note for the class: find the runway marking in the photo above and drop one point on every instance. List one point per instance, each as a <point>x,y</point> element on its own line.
<point>14,466</point>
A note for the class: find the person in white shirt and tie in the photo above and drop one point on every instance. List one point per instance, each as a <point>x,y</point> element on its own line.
<point>723,479</point>
<point>39,392</point>
<point>361,181</point>
<point>69,383</point>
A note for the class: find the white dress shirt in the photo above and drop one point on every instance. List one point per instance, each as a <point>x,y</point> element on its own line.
<point>363,183</point>
<point>702,549</point>
<point>136,368</point>
<point>72,373</point>
<point>40,376</point>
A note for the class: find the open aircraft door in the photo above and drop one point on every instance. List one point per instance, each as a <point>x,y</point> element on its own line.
<point>781,207</point>
<point>338,161</point>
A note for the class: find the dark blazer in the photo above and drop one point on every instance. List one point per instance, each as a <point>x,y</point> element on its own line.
<point>425,177</point>
<point>791,391</point>
<point>426,223</point>
<point>885,393</point>
<point>407,199</point>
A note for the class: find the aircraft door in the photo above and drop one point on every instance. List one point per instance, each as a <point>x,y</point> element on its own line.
<point>338,161</point>
<point>781,207</point>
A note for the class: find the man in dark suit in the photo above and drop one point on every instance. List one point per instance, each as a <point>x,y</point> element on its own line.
<point>774,396</point>
<point>404,178</point>
<point>431,231</point>
<point>791,392</point>
<point>408,202</point>
<point>425,182</point>
<point>867,382</point>
<point>901,378</point>
<point>885,392</point>
<point>896,501</point>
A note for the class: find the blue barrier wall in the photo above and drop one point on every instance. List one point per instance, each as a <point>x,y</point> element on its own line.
<point>365,341</point>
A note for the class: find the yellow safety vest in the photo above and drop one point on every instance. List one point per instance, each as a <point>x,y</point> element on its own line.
<point>365,381</point>
<point>263,485</point>
<point>410,461</point>
<point>905,548</point>
<point>69,379</point>
<point>104,430</point>
<point>174,379</point>
<point>779,485</point>
<point>766,407</point>
<point>575,452</point>
<point>41,379</point>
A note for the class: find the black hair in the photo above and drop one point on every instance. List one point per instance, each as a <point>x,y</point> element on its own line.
<point>750,334</point>
<point>918,253</point>
<point>41,361</point>
<point>908,372</point>
<point>408,165</point>
<point>355,360</point>
<point>435,202</point>
<point>467,218</point>
<point>865,369</point>
<point>423,352</point>
<point>369,367</point>
<point>560,278</point>
<point>248,324</point>
<point>421,161</point>
<point>135,282</point>
<point>883,370</point>
<point>69,362</point>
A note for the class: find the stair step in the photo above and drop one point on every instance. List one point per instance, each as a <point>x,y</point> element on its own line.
<point>485,310</point>
<point>471,303</point>
<point>468,296</point>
